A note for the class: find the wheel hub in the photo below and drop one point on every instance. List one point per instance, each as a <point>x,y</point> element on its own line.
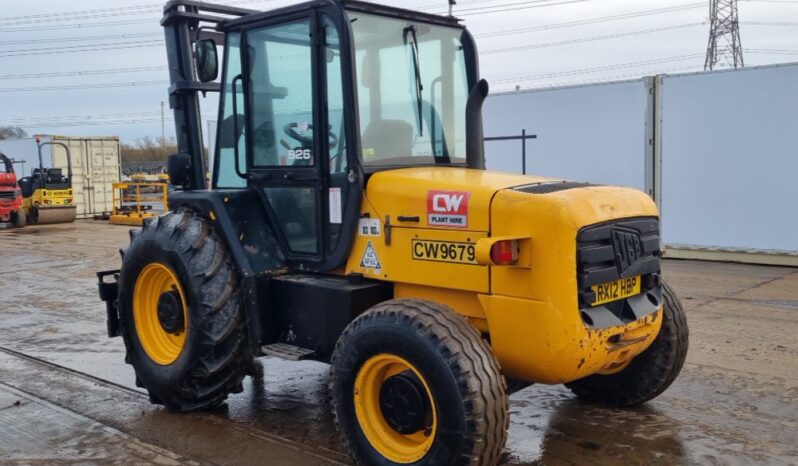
<point>170,312</point>
<point>403,402</point>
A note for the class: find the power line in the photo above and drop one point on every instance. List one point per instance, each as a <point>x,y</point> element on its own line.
<point>67,18</point>
<point>600,68</point>
<point>71,15</point>
<point>518,5</point>
<point>605,79</point>
<point>84,86</point>
<point>54,40</point>
<point>559,3</point>
<point>82,48</point>
<point>132,121</point>
<point>772,51</point>
<point>61,14</point>
<point>591,39</point>
<point>587,21</point>
<point>768,23</point>
<point>60,74</point>
<point>80,25</point>
<point>32,120</point>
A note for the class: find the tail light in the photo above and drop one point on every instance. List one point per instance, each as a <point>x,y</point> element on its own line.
<point>504,252</point>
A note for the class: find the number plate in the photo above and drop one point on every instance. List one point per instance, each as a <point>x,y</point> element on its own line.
<point>444,251</point>
<point>613,291</point>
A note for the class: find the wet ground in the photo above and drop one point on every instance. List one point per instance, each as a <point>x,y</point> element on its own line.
<point>67,397</point>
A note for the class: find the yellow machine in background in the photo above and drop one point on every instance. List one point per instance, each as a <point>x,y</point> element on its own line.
<point>47,193</point>
<point>133,202</point>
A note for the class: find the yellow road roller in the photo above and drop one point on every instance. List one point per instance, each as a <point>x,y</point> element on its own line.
<point>47,194</point>
<point>351,220</point>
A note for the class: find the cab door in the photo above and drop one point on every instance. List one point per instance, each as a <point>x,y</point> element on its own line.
<point>300,158</point>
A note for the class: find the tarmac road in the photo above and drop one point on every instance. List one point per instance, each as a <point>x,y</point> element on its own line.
<point>66,395</point>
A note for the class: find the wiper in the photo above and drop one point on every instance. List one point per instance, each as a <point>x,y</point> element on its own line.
<point>411,31</point>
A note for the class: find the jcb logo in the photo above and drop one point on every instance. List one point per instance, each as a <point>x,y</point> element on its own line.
<point>448,208</point>
<point>628,248</point>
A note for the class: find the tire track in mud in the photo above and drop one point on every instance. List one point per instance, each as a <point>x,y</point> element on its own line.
<point>204,437</point>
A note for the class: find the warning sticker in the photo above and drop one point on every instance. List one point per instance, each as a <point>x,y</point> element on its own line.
<point>335,205</point>
<point>448,208</point>
<point>370,259</point>
<point>368,227</point>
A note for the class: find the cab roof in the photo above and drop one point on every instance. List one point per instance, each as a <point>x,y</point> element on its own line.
<point>351,5</point>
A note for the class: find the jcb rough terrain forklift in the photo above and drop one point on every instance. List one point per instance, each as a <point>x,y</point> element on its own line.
<point>48,196</point>
<point>10,195</point>
<point>351,220</point>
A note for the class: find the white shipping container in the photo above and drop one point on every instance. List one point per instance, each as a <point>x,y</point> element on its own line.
<point>96,163</point>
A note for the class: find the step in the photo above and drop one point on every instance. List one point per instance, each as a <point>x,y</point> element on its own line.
<point>286,351</point>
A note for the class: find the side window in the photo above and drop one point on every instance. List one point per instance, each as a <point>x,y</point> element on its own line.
<point>339,167</point>
<point>230,130</point>
<point>281,95</point>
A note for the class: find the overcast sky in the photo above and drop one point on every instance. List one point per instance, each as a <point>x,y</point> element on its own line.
<point>98,35</point>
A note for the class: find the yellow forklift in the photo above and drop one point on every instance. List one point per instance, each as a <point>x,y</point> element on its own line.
<point>47,193</point>
<point>351,221</point>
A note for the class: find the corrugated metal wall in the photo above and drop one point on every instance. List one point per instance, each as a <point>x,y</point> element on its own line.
<point>717,150</point>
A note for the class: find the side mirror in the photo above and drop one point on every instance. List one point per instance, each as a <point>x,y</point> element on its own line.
<point>207,60</point>
<point>177,167</point>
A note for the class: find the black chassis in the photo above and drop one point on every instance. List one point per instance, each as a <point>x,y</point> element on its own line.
<point>303,308</point>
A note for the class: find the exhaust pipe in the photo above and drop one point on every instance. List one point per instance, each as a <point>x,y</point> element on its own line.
<point>475,150</point>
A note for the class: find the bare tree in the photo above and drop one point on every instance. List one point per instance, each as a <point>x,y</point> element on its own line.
<point>12,132</point>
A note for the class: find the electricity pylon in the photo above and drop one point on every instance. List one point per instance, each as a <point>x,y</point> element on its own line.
<point>724,48</point>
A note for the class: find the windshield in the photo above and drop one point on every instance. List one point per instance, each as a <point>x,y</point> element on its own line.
<point>412,91</point>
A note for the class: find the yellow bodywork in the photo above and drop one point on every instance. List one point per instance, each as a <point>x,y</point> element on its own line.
<point>52,205</point>
<point>49,198</point>
<point>133,202</point>
<point>530,310</point>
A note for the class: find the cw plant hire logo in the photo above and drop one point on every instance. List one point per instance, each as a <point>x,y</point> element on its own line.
<point>448,208</point>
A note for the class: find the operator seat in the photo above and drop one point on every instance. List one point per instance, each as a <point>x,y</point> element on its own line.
<point>388,139</point>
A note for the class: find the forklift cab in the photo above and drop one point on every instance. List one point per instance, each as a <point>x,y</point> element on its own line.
<point>316,97</point>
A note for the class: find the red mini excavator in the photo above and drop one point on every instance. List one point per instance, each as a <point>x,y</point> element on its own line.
<point>10,195</point>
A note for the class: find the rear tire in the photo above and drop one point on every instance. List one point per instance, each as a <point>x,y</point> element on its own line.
<point>651,372</point>
<point>18,219</point>
<point>200,369</point>
<point>466,417</point>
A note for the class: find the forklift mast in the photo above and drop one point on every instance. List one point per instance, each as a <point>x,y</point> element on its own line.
<point>185,22</point>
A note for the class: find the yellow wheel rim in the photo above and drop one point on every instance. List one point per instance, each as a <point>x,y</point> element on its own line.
<point>160,345</point>
<point>388,442</point>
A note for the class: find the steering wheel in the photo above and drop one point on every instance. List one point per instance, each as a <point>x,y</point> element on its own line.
<point>307,141</point>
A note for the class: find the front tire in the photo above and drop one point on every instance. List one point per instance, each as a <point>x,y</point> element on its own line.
<point>181,313</point>
<point>18,219</point>
<point>413,382</point>
<point>651,372</point>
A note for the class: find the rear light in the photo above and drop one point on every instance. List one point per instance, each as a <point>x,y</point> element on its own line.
<point>504,252</point>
